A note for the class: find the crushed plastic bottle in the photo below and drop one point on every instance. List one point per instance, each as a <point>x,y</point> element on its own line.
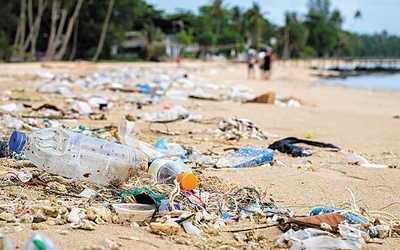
<point>166,171</point>
<point>247,157</point>
<point>74,155</point>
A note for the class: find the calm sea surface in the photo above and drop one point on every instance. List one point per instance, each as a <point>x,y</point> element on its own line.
<point>372,81</point>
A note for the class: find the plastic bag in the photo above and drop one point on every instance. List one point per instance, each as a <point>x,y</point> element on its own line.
<point>125,128</point>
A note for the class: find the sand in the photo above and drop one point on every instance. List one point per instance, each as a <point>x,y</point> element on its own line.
<point>358,121</point>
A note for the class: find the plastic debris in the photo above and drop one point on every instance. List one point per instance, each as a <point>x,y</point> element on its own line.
<point>213,205</point>
<point>310,238</point>
<point>167,171</point>
<point>174,114</point>
<point>286,146</point>
<point>170,149</point>
<point>237,128</point>
<point>247,157</point>
<point>71,154</point>
<point>39,241</point>
<point>356,159</point>
<point>5,243</point>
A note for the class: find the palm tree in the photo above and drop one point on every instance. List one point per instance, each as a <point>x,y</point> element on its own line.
<point>255,19</point>
<point>357,15</point>
<point>237,18</point>
<point>54,41</point>
<point>55,8</point>
<point>217,12</point>
<point>295,37</point>
<point>104,30</point>
<point>34,27</point>
<point>22,27</point>
<point>288,21</point>
<point>237,21</point>
<point>336,19</point>
<point>60,54</point>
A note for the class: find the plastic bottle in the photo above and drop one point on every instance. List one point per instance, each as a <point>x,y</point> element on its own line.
<point>247,157</point>
<point>74,155</point>
<point>166,171</point>
<point>39,241</point>
<point>5,242</point>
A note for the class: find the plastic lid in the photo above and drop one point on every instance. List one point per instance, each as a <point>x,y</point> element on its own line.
<point>187,180</point>
<point>17,141</point>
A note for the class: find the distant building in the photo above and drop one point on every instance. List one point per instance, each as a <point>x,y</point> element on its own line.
<point>133,45</point>
<point>135,39</point>
<point>136,42</point>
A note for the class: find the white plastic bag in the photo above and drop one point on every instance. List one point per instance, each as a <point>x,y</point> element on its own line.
<point>125,128</point>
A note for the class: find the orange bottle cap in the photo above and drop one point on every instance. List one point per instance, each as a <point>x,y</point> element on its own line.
<point>187,180</point>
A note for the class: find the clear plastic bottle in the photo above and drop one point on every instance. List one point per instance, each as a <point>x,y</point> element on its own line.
<point>247,157</point>
<point>74,155</point>
<point>166,171</point>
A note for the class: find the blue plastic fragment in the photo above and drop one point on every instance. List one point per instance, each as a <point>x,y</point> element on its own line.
<point>225,216</point>
<point>162,143</point>
<point>250,157</point>
<point>350,217</point>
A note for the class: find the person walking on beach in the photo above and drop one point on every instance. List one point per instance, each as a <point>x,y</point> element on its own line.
<point>268,59</point>
<point>251,61</point>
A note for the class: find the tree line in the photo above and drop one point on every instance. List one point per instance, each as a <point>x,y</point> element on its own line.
<point>86,30</point>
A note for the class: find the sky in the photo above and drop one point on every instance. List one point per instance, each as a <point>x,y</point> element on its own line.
<point>377,15</point>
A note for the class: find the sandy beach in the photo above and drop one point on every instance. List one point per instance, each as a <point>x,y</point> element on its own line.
<point>358,121</point>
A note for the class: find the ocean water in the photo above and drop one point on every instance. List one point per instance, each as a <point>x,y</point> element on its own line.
<point>370,81</point>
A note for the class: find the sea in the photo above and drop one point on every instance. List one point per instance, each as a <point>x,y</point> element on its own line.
<point>385,81</point>
<point>368,81</point>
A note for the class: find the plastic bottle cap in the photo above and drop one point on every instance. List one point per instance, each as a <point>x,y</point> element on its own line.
<point>17,141</point>
<point>187,180</point>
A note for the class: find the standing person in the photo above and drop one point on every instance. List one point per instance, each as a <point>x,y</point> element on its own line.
<point>178,59</point>
<point>251,61</point>
<point>260,59</point>
<point>268,59</point>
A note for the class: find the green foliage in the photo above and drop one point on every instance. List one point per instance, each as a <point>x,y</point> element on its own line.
<point>184,37</point>
<point>126,14</point>
<point>8,26</point>
<point>322,36</point>
<point>319,33</point>
<point>320,8</point>
<point>4,48</point>
<point>306,52</point>
<point>381,45</point>
<point>9,17</point>
<point>230,37</point>
<point>153,33</point>
<point>204,39</point>
<point>155,52</point>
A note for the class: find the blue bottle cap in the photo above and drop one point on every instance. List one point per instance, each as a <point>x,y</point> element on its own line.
<point>17,141</point>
